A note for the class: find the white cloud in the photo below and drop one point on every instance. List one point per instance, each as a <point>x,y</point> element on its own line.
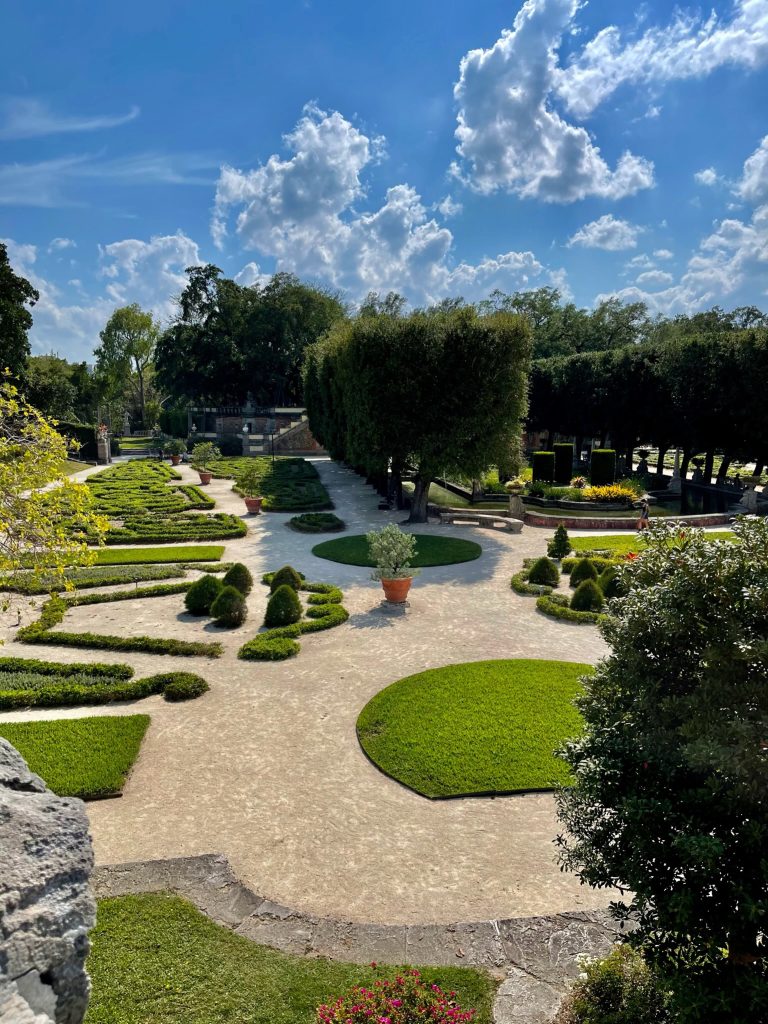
<point>642,261</point>
<point>654,278</point>
<point>607,233</point>
<point>510,136</point>
<point>150,273</point>
<point>663,254</point>
<point>303,210</point>
<point>251,274</point>
<point>708,177</point>
<point>754,181</point>
<point>23,118</point>
<point>689,47</point>
<point>449,207</point>
<point>57,244</point>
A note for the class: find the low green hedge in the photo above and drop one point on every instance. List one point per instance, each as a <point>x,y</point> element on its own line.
<point>557,606</point>
<point>324,612</point>
<point>317,522</point>
<point>568,564</point>
<point>520,585</point>
<point>54,609</point>
<point>92,576</point>
<point>171,530</point>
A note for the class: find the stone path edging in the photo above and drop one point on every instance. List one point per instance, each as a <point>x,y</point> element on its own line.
<point>536,956</point>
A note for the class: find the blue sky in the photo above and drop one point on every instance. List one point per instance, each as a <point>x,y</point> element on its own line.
<point>434,148</point>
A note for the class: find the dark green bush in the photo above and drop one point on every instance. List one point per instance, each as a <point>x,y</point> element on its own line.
<point>602,467</point>
<point>286,576</point>
<point>283,607</point>
<point>569,564</point>
<point>202,594</point>
<point>269,648</point>
<point>184,686</point>
<point>543,467</point>
<point>588,597</point>
<point>563,463</point>
<point>609,582</point>
<point>316,522</point>
<point>583,570</point>
<point>229,608</point>
<point>560,545</point>
<point>557,606</point>
<point>619,989</point>
<point>544,572</point>
<point>239,577</point>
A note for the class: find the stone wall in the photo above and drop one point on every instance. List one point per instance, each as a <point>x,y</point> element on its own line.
<point>46,906</point>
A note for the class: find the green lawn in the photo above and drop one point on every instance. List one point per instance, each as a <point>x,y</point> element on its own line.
<point>155,959</point>
<point>439,496</point>
<point>430,550</point>
<point>481,727</point>
<point>628,543</point>
<point>85,757</point>
<point>73,466</point>
<point>138,556</point>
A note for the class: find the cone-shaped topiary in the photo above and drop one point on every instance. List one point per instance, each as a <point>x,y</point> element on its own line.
<point>560,545</point>
<point>287,575</point>
<point>283,608</point>
<point>239,577</point>
<point>583,570</point>
<point>229,608</point>
<point>588,597</point>
<point>544,572</point>
<point>202,594</point>
<point>610,583</point>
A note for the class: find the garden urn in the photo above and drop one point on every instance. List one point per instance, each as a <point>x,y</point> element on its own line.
<point>396,591</point>
<point>253,505</point>
<point>205,476</point>
<point>175,460</point>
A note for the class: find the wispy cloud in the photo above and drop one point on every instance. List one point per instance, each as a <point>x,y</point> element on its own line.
<point>22,118</point>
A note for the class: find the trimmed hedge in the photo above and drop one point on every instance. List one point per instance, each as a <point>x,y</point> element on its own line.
<point>317,522</point>
<point>602,467</point>
<point>283,607</point>
<point>610,582</point>
<point>520,585</point>
<point>583,570</point>
<point>184,686</point>
<point>557,606</point>
<point>287,575</point>
<point>544,572</point>
<point>239,577</point>
<point>287,484</point>
<point>325,611</point>
<point>563,463</point>
<point>202,594</point>
<point>92,576</point>
<point>588,597</point>
<point>543,467</point>
<point>84,434</point>
<point>229,609</point>
<point>568,564</point>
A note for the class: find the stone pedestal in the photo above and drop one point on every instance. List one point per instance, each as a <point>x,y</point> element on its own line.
<point>749,499</point>
<point>103,454</point>
<point>675,485</point>
<point>516,507</point>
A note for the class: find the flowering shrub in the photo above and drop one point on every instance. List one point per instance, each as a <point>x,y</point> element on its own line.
<point>405,999</point>
<point>392,551</point>
<point>579,481</point>
<point>609,492</point>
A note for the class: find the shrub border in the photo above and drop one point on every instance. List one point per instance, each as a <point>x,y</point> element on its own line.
<point>556,607</point>
<point>325,611</point>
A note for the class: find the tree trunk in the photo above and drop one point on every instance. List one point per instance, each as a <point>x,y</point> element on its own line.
<point>579,447</point>
<point>629,469</point>
<point>709,463</point>
<point>396,493</point>
<point>477,491</point>
<point>687,456</point>
<point>419,500</point>
<point>725,465</point>
<point>759,467</point>
<point>660,461</point>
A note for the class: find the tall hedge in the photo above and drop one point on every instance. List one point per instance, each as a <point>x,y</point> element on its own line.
<point>563,463</point>
<point>85,434</point>
<point>602,468</point>
<point>543,467</point>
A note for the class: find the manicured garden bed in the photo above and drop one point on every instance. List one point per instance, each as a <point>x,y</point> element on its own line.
<point>85,757</point>
<point>477,728</point>
<point>139,556</point>
<point>92,576</point>
<point>155,959</point>
<point>287,484</point>
<point>430,550</point>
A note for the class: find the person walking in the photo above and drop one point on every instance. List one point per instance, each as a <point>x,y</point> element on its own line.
<point>645,515</point>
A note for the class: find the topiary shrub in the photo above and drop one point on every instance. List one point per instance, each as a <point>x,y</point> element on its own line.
<point>602,467</point>
<point>202,594</point>
<point>286,576</point>
<point>620,989</point>
<point>560,545</point>
<point>543,467</point>
<point>563,463</point>
<point>610,583</point>
<point>583,570</point>
<point>229,608</point>
<point>283,607</point>
<point>184,686</point>
<point>588,597</point>
<point>316,522</point>
<point>544,572</point>
<point>239,577</point>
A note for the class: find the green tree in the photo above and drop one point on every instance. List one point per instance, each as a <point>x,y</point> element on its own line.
<point>47,385</point>
<point>671,771</point>
<point>16,293</point>
<point>127,351</point>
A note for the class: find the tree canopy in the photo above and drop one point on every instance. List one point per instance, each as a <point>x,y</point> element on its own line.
<point>435,392</point>
<point>125,357</point>
<point>16,293</point>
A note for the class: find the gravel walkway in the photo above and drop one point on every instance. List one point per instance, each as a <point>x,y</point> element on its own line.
<point>266,768</point>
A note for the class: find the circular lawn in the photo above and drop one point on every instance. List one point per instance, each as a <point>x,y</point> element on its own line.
<point>430,550</point>
<point>479,728</point>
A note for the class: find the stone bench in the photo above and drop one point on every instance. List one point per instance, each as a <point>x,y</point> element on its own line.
<point>481,519</point>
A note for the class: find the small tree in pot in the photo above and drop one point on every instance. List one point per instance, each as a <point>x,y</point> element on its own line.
<point>248,482</point>
<point>392,550</point>
<point>175,448</point>
<point>204,455</point>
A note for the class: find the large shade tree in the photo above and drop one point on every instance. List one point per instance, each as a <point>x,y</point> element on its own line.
<point>125,357</point>
<point>435,393</point>
<point>16,294</point>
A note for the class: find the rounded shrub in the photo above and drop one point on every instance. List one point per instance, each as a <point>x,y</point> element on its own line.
<point>610,582</point>
<point>587,597</point>
<point>283,607</point>
<point>229,608</point>
<point>583,570</point>
<point>239,577</point>
<point>184,686</point>
<point>202,594</point>
<point>544,572</point>
<point>316,522</point>
<point>287,576</point>
<point>619,989</point>
<point>269,648</point>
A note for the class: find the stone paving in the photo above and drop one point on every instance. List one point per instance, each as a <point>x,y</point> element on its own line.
<point>266,769</point>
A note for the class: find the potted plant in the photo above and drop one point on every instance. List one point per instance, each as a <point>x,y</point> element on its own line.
<point>392,551</point>
<point>516,486</point>
<point>248,483</point>
<point>204,455</point>
<point>175,448</point>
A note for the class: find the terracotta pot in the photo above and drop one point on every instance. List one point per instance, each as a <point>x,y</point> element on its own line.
<point>175,460</point>
<point>253,505</point>
<point>205,476</point>
<point>396,591</point>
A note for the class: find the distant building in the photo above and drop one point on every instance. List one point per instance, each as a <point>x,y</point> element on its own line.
<point>258,430</point>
